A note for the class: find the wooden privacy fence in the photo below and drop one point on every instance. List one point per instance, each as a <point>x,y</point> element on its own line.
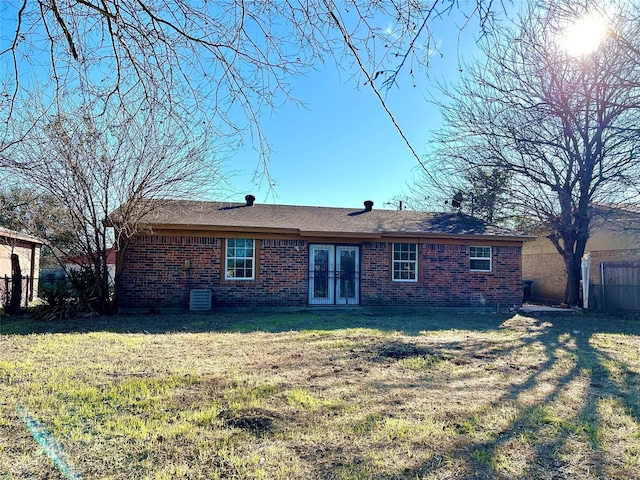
<point>620,286</point>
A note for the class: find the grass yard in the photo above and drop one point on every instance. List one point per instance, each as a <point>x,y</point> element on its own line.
<point>308,395</point>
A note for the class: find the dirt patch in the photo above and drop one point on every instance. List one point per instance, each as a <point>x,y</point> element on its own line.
<point>401,351</point>
<point>256,421</point>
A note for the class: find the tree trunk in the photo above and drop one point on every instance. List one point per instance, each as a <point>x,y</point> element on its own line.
<point>103,280</point>
<point>572,291</point>
<point>573,263</point>
<point>16,285</point>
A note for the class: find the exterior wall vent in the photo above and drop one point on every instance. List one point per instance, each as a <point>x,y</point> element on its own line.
<point>200,300</point>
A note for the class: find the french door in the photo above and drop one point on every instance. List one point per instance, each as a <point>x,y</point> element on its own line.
<point>334,274</point>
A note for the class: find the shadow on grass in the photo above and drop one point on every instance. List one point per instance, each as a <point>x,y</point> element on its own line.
<point>410,322</point>
<point>570,356</point>
<point>561,402</point>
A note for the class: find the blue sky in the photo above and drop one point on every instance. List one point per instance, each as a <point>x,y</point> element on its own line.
<point>343,148</point>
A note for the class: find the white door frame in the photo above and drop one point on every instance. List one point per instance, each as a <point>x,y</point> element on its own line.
<point>334,274</point>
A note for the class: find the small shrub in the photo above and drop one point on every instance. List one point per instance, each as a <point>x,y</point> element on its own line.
<point>68,298</point>
<point>54,294</point>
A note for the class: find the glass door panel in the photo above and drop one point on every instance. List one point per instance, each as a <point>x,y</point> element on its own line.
<point>348,270</point>
<point>334,274</point>
<point>321,274</point>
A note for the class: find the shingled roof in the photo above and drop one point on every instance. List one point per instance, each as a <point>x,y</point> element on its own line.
<point>317,221</point>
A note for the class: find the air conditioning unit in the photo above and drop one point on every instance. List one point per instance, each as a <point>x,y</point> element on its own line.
<point>200,300</point>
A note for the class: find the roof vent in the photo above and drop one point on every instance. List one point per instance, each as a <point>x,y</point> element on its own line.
<point>250,199</point>
<point>368,205</point>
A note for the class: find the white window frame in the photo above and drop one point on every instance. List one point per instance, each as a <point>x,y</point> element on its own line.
<point>235,258</point>
<point>474,254</point>
<point>397,264</point>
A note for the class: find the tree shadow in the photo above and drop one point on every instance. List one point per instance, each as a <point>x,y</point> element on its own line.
<point>408,321</point>
<point>570,359</point>
<point>601,378</point>
<point>572,354</point>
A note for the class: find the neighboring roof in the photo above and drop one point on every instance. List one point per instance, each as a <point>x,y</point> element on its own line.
<point>629,212</point>
<point>610,217</point>
<point>85,260</point>
<point>6,233</point>
<point>318,221</point>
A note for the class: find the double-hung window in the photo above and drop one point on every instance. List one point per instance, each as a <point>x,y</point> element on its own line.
<point>480,259</point>
<point>240,259</point>
<point>405,262</point>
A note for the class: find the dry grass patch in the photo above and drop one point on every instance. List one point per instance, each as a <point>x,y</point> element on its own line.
<point>498,397</point>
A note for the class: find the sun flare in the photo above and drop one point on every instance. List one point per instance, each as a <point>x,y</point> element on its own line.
<point>585,35</point>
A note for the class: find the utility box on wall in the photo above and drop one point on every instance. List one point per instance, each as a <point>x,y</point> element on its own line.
<point>200,300</point>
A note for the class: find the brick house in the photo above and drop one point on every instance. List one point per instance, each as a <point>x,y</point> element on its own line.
<point>249,254</point>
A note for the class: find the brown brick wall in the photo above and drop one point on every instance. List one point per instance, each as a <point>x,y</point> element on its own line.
<point>547,270</point>
<point>445,279</point>
<point>548,274</point>
<point>282,278</point>
<point>153,274</point>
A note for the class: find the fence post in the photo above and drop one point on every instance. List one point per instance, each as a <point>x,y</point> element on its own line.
<point>5,292</point>
<point>26,292</point>
<point>602,287</point>
<point>16,284</point>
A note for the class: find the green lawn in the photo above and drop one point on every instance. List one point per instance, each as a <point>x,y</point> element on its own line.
<point>308,395</point>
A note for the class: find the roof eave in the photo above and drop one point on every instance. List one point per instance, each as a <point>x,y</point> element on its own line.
<point>218,228</point>
<point>6,233</point>
<point>332,234</point>
<point>459,236</point>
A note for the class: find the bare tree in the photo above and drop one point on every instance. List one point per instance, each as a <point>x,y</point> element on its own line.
<point>23,209</point>
<point>92,164</point>
<point>228,59</point>
<point>481,193</point>
<point>562,124</point>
